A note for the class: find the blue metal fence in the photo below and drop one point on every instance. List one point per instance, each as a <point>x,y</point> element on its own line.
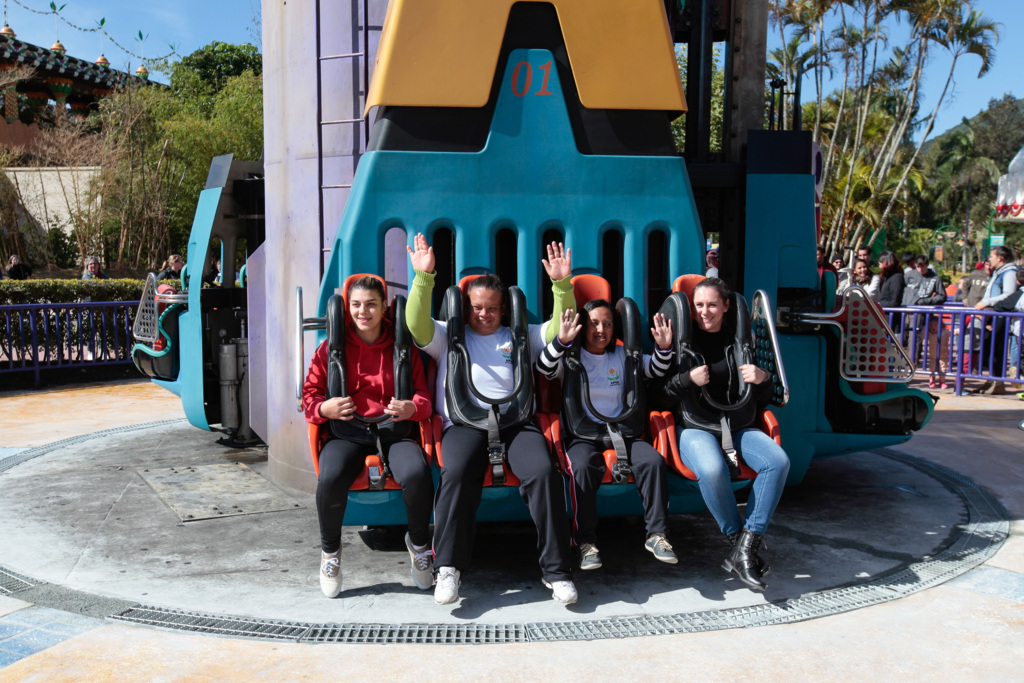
<point>37,337</point>
<point>960,343</point>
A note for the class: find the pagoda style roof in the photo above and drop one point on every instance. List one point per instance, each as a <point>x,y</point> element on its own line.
<point>86,77</point>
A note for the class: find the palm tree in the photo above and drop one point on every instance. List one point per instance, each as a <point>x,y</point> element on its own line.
<point>962,32</point>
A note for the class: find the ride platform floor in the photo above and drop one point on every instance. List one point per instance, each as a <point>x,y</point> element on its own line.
<point>86,525</point>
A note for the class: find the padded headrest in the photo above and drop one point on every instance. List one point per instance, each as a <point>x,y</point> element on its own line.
<point>686,285</point>
<point>347,285</point>
<point>588,286</point>
<point>464,282</point>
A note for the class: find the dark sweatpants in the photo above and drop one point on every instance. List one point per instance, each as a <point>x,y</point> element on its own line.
<point>464,450</point>
<point>587,466</point>
<point>341,461</point>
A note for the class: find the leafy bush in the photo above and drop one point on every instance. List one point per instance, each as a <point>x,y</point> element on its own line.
<point>68,291</point>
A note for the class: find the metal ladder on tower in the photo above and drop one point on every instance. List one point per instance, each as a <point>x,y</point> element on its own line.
<point>355,47</point>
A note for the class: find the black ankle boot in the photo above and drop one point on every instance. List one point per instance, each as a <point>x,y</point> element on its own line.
<point>742,560</point>
<point>762,567</point>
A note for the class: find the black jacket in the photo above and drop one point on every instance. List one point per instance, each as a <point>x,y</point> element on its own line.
<point>891,293</point>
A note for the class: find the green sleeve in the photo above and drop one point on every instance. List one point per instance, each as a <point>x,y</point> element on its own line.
<point>417,310</point>
<point>564,300</point>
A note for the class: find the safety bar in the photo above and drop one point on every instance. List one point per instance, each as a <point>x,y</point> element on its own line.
<point>302,325</point>
<point>870,351</point>
<point>767,352</point>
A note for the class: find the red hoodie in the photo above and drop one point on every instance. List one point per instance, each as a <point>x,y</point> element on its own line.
<point>370,370</point>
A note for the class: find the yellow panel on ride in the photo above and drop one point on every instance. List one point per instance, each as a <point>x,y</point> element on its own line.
<point>443,53</point>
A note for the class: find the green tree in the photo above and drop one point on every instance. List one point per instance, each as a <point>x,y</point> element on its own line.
<point>197,78</point>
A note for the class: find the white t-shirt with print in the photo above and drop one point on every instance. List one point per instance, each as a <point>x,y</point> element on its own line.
<point>492,362</point>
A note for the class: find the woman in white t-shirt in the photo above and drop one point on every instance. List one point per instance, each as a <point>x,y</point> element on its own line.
<point>493,357</point>
<point>605,364</point>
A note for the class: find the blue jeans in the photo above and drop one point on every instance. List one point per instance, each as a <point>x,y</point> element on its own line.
<point>702,453</point>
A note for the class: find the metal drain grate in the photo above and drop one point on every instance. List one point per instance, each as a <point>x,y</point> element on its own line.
<point>12,583</point>
<point>25,456</point>
<point>219,625</point>
<point>978,540</point>
<point>428,634</point>
<point>974,541</point>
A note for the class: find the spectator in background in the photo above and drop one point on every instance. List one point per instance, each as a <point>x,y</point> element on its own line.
<point>16,270</point>
<point>92,269</point>
<point>924,288</point>
<point>1004,278</point>
<point>1012,303</point>
<point>972,287</point>
<point>712,262</point>
<point>212,274</point>
<point>908,262</point>
<point>171,270</point>
<point>864,254</point>
<point>823,264</point>
<point>891,291</point>
<point>1001,285</point>
<point>861,276</point>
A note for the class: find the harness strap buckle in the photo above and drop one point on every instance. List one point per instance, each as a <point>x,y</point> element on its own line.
<point>622,467</point>
<point>378,477</point>
<point>495,448</point>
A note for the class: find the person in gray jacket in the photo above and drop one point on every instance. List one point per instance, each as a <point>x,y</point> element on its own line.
<point>924,288</point>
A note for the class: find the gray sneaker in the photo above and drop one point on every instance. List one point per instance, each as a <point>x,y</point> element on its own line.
<point>660,548</point>
<point>422,562</point>
<point>590,558</point>
<point>330,573</point>
<point>447,589</point>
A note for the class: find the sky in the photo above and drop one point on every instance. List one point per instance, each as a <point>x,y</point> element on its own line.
<point>187,24</point>
<point>191,24</point>
<point>968,94</point>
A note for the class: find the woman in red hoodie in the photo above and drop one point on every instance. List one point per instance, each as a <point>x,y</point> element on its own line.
<point>369,369</point>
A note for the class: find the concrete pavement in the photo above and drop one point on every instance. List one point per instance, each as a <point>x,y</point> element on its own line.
<point>860,514</point>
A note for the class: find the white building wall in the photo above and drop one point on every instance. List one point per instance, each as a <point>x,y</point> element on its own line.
<point>50,195</point>
<point>290,256</point>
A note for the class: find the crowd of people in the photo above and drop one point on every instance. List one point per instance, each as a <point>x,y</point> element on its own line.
<point>995,285</point>
<point>585,336</point>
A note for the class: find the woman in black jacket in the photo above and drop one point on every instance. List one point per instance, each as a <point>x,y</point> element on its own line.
<point>891,292</point>
<point>700,445</point>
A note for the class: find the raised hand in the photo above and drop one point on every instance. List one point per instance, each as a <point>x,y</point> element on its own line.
<point>568,327</point>
<point>338,408</point>
<point>700,375</point>
<point>422,258</point>
<point>662,332</point>
<point>558,264</point>
<point>752,374</point>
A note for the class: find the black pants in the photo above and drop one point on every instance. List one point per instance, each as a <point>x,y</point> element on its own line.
<point>587,467</point>
<point>341,461</point>
<point>458,496</point>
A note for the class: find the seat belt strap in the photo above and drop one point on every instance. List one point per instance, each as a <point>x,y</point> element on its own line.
<point>622,467</point>
<point>731,456</point>
<point>495,448</point>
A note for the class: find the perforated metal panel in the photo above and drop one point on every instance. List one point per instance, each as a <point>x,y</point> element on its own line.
<point>144,328</point>
<point>870,351</point>
<point>767,354</point>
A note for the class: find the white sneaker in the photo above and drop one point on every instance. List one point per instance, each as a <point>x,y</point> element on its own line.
<point>422,562</point>
<point>447,589</point>
<point>330,573</point>
<point>562,591</point>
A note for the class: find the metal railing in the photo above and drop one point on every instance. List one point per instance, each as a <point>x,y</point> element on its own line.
<point>961,343</point>
<point>36,337</point>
